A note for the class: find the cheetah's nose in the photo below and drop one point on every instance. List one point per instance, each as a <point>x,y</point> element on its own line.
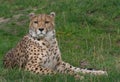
<point>41,29</point>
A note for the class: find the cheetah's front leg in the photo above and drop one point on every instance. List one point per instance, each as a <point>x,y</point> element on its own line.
<point>35,68</point>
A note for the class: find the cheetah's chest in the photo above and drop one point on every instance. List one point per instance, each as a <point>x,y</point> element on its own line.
<point>44,53</point>
<point>49,56</point>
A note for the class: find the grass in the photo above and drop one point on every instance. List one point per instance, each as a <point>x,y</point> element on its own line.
<point>87,30</point>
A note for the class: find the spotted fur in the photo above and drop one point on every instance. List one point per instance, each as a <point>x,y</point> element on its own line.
<point>39,52</point>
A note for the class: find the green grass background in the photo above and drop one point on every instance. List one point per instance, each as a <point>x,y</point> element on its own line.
<point>87,30</point>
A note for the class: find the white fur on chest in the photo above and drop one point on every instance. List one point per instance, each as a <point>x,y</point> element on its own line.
<point>49,62</point>
<point>49,55</point>
<point>49,59</point>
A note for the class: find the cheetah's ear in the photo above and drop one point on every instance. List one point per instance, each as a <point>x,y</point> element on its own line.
<point>31,15</point>
<point>52,14</point>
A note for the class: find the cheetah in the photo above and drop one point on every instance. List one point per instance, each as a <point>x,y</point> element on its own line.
<point>38,51</point>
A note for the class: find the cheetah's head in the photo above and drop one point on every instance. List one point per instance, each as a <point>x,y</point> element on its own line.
<point>41,25</point>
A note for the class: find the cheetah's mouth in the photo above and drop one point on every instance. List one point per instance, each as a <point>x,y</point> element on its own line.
<point>40,36</point>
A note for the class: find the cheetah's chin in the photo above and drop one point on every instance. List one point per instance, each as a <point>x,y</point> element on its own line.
<point>40,37</point>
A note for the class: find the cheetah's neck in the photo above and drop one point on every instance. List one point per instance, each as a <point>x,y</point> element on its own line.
<point>50,36</point>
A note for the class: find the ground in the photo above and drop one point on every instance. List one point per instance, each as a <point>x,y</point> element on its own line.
<point>88,33</point>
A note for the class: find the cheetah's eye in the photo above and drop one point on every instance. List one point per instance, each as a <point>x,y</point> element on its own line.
<point>36,22</point>
<point>46,22</point>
